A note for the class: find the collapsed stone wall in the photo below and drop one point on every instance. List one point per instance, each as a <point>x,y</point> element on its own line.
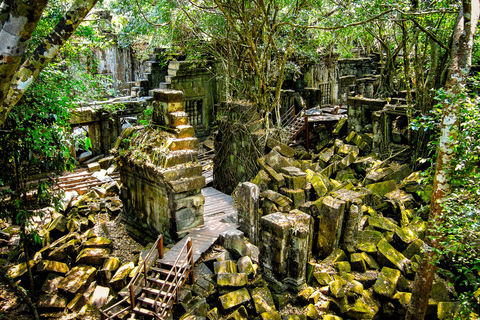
<point>160,172</point>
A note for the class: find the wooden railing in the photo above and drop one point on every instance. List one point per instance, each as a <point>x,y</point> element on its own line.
<point>134,286</point>
<point>180,272</point>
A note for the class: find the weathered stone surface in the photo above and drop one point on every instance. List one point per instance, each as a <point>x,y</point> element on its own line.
<point>51,283</point>
<point>392,257</point>
<point>448,310</point>
<point>64,250</point>
<point>239,314</point>
<point>93,256</point>
<point>245,265</point>
<point>277,198</point>
<point>277,161</point>
<point>204,286</point>
<point>120,279</point>
<point>276,177</point>
<point>286,241</point>
<point>213,314</point>
<point>234,299</point>
<point>233,241</point>
<point>47,266</point>
<point>78,279</point>
<point>382,223</point>
<point>247,197</point>
<point>387,282</point>
<point>20,269</point>
<point>262,299</point>
<point>297,196</point>
<point>52,301</point>
<point>322,278</point>
<point>77,302</point>
<point>98,242</point>
<point>330,224</point>
<point>232,279</point>
<point>262,180</point>
<point>382,188</point>
<point>283,149</point>
<point>227,266</point>
<point>99,296</point>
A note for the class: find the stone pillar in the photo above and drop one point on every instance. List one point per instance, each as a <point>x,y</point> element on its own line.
<point>247,199</point>
<point>331,217</point>
<point>285,245</point>
<point>296,183</point>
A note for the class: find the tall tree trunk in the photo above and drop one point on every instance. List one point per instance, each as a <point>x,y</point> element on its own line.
<point>31,68</point>
<point>458,71</point>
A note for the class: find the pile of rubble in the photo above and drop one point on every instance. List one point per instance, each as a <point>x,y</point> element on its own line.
<point>79,267</point>
<point>365,246</point>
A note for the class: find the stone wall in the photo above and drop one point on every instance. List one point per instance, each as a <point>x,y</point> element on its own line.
<point>160,172</point>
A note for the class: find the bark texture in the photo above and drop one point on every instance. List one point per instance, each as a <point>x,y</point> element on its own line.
<point>458,71</point>
<point>15,79</point>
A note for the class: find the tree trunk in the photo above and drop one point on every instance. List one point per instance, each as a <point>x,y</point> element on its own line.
<point>31,68</point>
<point>457,75</point>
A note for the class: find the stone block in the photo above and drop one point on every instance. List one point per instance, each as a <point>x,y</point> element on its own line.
<point>297,196</point>
<point>390,257</point>
<point>232,280</point>
<point>234,299</point>
<point>275,160</point>
<point>120,279</point>
<point>51,283</point>
<point>247,197</point>
<point>321,184</point>
<point>239,314</point>
<point>245,265</point>
<point>233,241</point>
<point>283,149</point>
<point>387,282</point>
<point>286,241</point>
<point>382,188</point>
<point>177,118</point>
<point>262,299</point>
<point>189,184</point>
<point>64,250</point>
<point>77,279</point>
<point>184,131</point>
<point>97,242</point>
<point>400,196</point>
<point>189,143</point>
<point>93,256</point>
<point>357,262</point>
<point>227,266</point>
<point>52,301</point>
<point>262,180</point>
<point>330,225</point>
<point>99,296</point>
<point>296,181</point>
<point>277,198</point>
<point>92,167</point>
<point>378,175</point>
<point>47,266</point>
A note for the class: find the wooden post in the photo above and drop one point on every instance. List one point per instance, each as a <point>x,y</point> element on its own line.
<point>160,247</point>
<point>132,297</point>
<point>190,259</point>
<point>307,133</point>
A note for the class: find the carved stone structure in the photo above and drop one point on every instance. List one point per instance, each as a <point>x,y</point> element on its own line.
<point>160,172</point>
<point>286,245</point>
<point>247,196</point>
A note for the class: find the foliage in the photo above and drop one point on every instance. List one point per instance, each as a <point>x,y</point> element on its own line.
<point>460,218</point>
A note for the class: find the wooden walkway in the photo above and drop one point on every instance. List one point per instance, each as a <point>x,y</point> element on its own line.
<point>220,215</point>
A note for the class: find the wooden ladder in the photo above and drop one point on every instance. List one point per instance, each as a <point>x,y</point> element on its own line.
<point>154,288</point>
<point>294,124</point>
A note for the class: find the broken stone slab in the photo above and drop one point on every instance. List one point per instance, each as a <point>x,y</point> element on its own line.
<point>78,279</point>
<point>84,156</point>
<point>239,314</point>
<point>404,236</point>
<point>387,282</point>
<point>275,160</point>
<point>232,280</point>
<point>414,248</point>
<point>20,269</point>
<point>99,296</point>
<point>282,148</point>
<point>93,256</point>
<point>227,266</point>
<point>277,198</point>
<point>321,183</point>
<point>297,196</point>
<point>389,256</point>
<point>367,279</point>
<point>365,307</point>
<point>98,242</point>
<point>382,223</point>
<point>245,265</point>
<point>47,266</point>
<point>51,283</point>
<point>94,166</point>
<point>109,267</point>
<point>330,169</point>
<point>120,279</point>
<point>277,178</point>
<point>205,287</point>
<point>233,241</point>
<point>403,198</point>
<point>262,180</point>
<point>330,222</point>
<point>357,262</point>
<point>234,299</point>
<point>382,188</point>
<point>52,301</point>
<point>377,175</point>
<point>262,299</point>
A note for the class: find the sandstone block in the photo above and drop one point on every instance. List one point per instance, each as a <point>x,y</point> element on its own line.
<point>77,279</point>
<point>262,299</point>
<point>234,299</point>
<point>93,256</point>
<point>120,279</point>
<point>387,282</point>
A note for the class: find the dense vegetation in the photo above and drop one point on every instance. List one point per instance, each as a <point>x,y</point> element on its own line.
<point>258,45</point>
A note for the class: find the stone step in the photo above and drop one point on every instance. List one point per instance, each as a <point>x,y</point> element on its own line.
<point>179,118</point>
<point>175,158</point>
<point>183,144</point>
<point>185,185</point>
<point>184,131</point>
<point>183,171</point>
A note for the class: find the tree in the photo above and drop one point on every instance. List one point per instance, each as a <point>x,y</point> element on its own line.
<point>18,20</point>
<point>461,58</point>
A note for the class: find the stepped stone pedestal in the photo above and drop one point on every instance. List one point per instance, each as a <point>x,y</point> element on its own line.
<point>160,172</point>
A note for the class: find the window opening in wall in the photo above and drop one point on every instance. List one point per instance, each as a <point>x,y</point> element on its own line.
<point>194,109</point>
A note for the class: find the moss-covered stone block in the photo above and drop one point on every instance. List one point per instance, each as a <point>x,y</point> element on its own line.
<point>387,282</point>
<point>234,299</point>
<point>263,300</point>
<point>382,188</point>
<point>77,279</point>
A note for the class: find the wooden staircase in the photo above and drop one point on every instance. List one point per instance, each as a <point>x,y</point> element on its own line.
<point>154,288</point>
<point>293,123</point>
